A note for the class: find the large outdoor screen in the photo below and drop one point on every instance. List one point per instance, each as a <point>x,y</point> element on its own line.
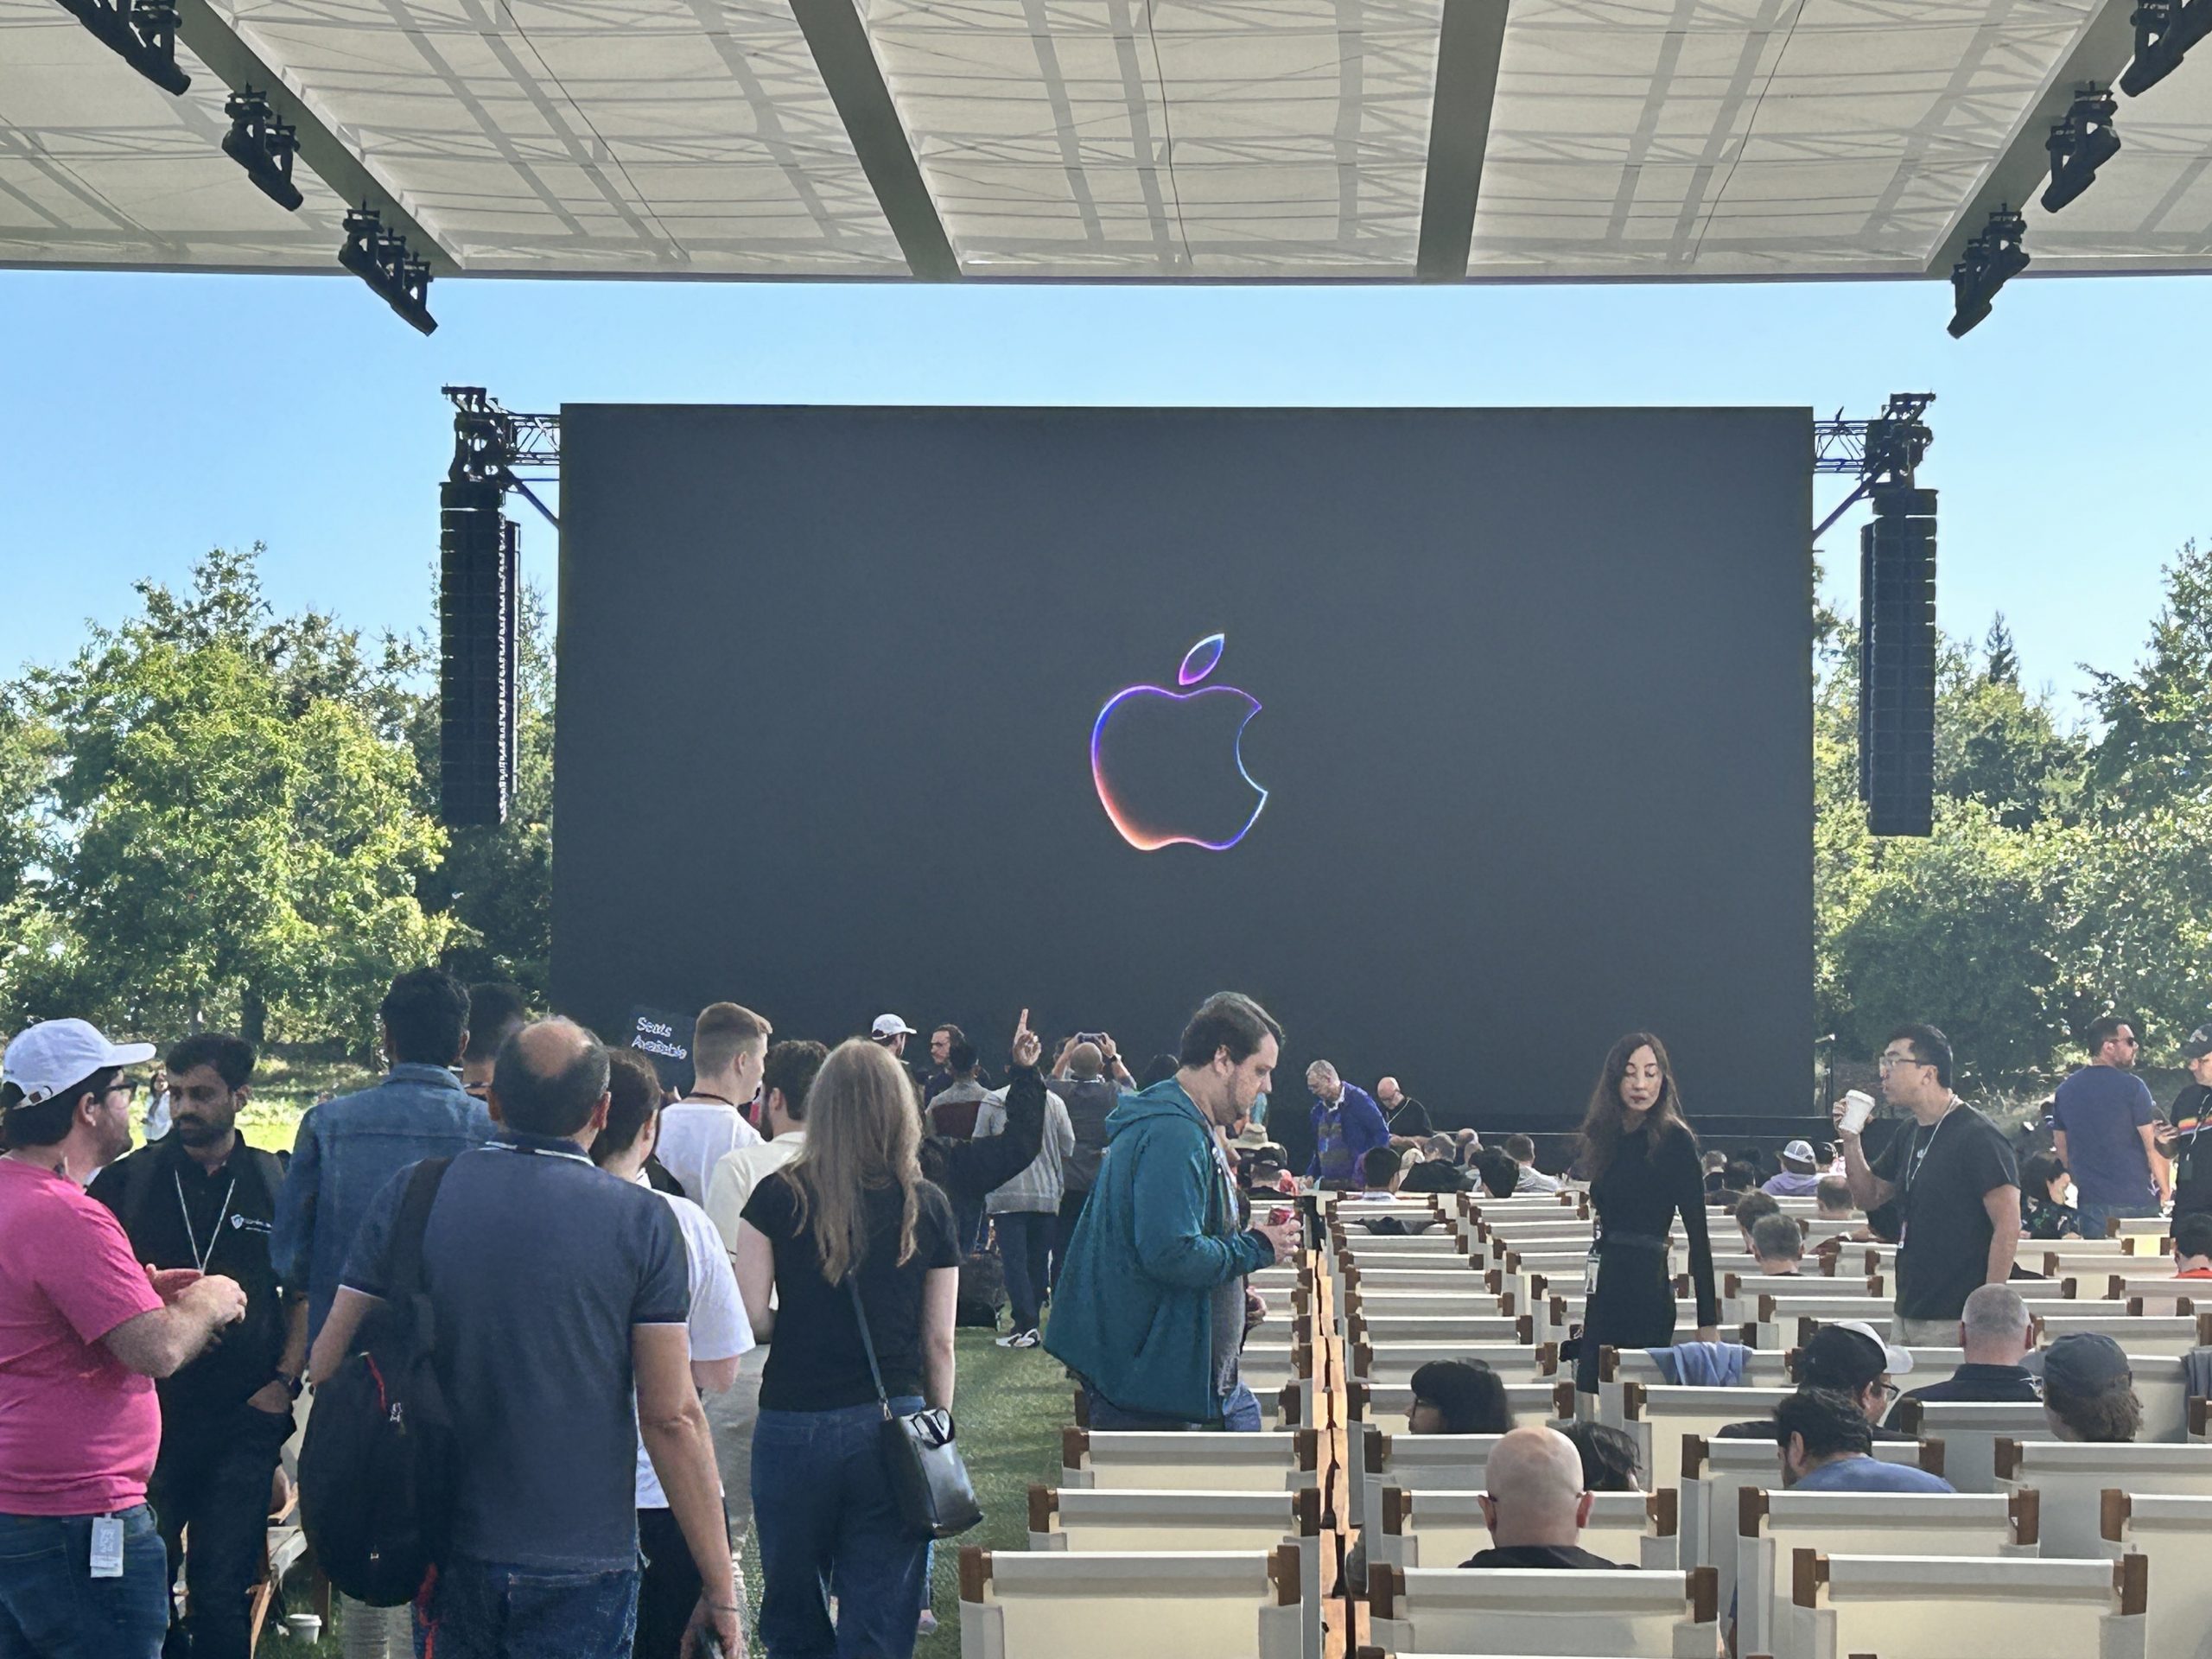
<point>1464,740</point>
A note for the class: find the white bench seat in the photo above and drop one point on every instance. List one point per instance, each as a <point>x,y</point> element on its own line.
<point>1530,1610</point>
<point>1178,1604</point>
<point>1947,1607</point>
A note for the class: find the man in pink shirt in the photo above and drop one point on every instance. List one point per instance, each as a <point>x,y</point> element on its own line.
<point>84,1331</point>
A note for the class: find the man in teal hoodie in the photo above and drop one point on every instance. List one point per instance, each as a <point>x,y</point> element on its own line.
<point>1150,1309</point>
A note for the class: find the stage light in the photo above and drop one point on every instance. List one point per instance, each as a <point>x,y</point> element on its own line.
<point>143,32</point>
<point>263,145</point>
<point>381,258</point>
<point>1991,260</point>
<point>2078,144</point>
<point>2164,31</point>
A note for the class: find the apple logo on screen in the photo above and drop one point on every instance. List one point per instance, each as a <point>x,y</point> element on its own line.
<point>1169,766</point>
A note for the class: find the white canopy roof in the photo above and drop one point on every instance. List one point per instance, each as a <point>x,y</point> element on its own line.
<point>1273,140</point>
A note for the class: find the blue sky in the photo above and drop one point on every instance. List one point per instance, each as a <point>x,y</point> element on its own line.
<point>145,418</point>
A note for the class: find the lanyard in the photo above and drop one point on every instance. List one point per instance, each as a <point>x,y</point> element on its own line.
<point>199,1257</point>
<point>1920,1154</point>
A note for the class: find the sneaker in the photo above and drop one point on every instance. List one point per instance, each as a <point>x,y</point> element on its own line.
<point>1012,1339</point>
<point>927,1626</point>
<point>1025,1339</point>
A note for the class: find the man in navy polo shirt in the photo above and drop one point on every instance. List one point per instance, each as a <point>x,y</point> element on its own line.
<point>2105,1129</point>
<point>561,1295</point>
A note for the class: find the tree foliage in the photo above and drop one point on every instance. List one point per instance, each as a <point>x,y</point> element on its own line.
<point>215,814</point>
<point>2071,871</point>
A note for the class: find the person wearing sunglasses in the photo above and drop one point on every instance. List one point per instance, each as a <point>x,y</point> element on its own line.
<point>1844,1357</point>
<point>2105,1129</point>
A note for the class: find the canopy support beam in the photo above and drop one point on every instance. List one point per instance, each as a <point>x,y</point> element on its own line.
<point>843,53</point>
<point>1467,53</point>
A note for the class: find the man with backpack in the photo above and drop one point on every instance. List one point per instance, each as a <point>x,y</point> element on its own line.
<point>556,1301</point>
<point>201,1200</point>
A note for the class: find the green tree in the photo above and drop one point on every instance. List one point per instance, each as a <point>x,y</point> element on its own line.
<point>228,826</point>
<point>2156,746</point>
<point>1999,745</point>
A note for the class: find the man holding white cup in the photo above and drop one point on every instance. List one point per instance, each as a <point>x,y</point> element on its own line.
<point>1952,1178</point>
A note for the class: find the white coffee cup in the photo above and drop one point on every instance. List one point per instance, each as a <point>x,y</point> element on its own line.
<point>1858,1107</point>
<point>303,1627</point>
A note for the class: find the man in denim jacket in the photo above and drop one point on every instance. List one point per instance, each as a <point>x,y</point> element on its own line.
<point>349,1147</point>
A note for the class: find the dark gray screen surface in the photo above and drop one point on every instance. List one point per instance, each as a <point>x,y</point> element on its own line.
<point>1536,726</point>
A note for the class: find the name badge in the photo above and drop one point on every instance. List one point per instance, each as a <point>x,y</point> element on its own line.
<point>107,1546</point>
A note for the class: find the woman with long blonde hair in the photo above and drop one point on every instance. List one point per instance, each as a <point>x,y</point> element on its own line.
<point>852,1212</point>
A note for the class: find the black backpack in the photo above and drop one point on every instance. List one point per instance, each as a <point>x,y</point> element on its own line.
<point>376,1468</point>
<point>1089,1104</point>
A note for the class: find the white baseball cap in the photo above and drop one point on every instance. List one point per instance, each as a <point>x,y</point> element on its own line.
<point>1800,1151</point>
<point>890,1025</point>
<point>56,1053</point>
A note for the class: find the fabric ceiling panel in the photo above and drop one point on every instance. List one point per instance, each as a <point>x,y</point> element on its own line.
<point>99,167</point>
<point>1117,137</point>
<point>605,137</point>
<point>1751,137</point>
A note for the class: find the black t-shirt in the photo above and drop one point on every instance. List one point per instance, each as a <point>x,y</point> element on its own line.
<point>1570,1556</point>
<point>816,1361</point>
<point>1410,1118</point>
<point>2193,1157</point>
<point>231,1211</point>
<point>1999,1384</point>
<point>1941,1174</point>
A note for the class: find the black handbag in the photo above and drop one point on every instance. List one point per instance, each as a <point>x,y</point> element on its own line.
<point>928,1477</point>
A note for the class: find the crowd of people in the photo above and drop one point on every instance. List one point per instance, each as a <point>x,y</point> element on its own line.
<point>661,1316</point>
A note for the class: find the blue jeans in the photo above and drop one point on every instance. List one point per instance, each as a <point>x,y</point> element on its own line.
<point>2093,1216</point>
<point>486,1610</point>
<point>1239,1414</point>
<point>51,1607</point>
<point>830,1525</point>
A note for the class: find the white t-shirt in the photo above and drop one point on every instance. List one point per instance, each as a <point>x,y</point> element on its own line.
<point>693,1134</point>
<point>738,1173</point>
<point>718,1325</point>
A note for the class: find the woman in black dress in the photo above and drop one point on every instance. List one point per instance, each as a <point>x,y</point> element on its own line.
<point>1643,1166</point>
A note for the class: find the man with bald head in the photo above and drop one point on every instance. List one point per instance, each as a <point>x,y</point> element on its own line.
<point>1347,1125</point>
<point>1534,1504</point>
<point>1406,1116</point>
<point>561,1295</point>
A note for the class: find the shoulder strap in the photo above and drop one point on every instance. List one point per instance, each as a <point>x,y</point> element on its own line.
<point>867,1342</point>
<point>412,1222</point>
<point>138,1175</point>
<point>271,1169</point>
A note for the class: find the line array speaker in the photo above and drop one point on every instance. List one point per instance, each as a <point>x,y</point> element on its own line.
<point>479,598</point>
<point>1897,663</point>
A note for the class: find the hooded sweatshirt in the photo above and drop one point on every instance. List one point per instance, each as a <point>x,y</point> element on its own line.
<point>1133,1313</point>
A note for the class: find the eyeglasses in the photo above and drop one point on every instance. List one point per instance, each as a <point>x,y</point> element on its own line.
<point>1890,1391</point>
<point>1890,1062</point>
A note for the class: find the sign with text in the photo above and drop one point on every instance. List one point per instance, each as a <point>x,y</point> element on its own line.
<point>663,1038</point>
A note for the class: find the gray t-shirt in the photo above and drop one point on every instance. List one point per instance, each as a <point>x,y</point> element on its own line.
<point>1227,1320</point>
<point>538,1264</point>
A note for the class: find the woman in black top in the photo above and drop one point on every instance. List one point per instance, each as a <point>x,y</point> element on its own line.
<point>1643,1169</point>
<point>851,1210</point>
